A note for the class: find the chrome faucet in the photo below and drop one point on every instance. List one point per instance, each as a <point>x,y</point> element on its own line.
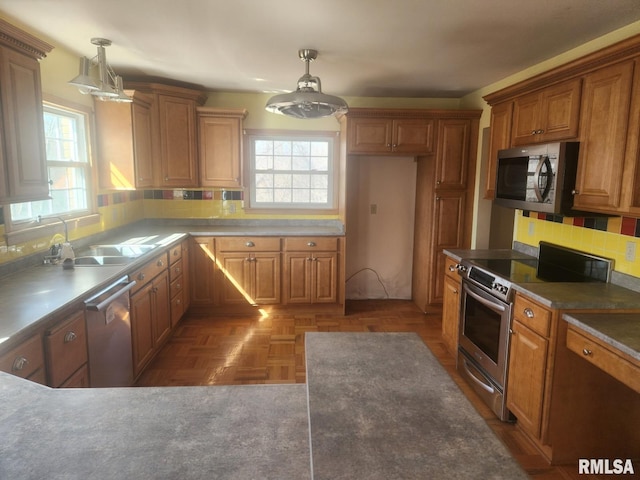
<point>56,250</point>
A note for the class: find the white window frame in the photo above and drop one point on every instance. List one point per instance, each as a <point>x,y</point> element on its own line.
<point>251,204</point>
<point>28,229</point>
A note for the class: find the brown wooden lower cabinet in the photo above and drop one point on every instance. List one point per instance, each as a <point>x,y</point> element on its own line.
<point>150,317</point>
<point>568,407</point>
<point>66,352</point>
<point>253,271</point>
<point>451,306</point>
<point>26,360</point>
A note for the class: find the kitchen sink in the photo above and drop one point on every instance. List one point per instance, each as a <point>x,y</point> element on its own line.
<point>119,250</point>
<point>113,254</point>
<point>102,260</point>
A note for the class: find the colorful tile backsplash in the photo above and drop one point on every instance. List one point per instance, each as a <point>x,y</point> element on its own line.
<point>612,237</point>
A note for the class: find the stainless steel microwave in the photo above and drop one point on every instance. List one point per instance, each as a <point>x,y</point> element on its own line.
<point>539,178</point>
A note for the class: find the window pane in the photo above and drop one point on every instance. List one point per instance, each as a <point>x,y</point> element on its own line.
<point>67,166</point>
<point>295,173</point>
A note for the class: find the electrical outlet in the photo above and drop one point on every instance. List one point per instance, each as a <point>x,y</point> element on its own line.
<point>630,252</point>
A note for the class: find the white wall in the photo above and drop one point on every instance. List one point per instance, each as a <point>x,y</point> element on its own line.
<point>380,245</point>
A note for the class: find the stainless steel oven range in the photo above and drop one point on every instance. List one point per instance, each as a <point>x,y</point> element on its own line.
<point>485,310</point>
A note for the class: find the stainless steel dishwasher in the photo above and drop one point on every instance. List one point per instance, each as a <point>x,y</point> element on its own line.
<point>109,336</point>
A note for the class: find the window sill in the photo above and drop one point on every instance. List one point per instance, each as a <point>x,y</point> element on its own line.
<point>39,230</point>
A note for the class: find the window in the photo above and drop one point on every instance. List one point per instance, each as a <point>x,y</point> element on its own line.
<point>69,168</point>
<point>292,170</point>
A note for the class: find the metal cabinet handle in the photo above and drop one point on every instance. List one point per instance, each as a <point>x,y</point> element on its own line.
<point>455,291</point>
<point>528,312</point>
<point>160,263</point>
<point>177,270</point>
<point>311,244</point>
<point>575,192</point>
<point>586,352</point>
<point>19,363</point>
<point>141,276</point>
<point>511,332</point>
<point>249,244</point>
<point>452,268</point>
<point>70,336</point>
<point>178,286</point>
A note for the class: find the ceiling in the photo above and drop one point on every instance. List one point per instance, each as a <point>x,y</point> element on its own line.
<point>376,48</point>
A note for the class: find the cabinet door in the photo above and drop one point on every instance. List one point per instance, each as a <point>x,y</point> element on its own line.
<point>266,278</point>
<point>448,231</point>
<point>235,278</point>
<point>161,308</point>
<point>527,365</point>
<point>23,127</point>
<point>547,115</point>
<point>220,157</point>
<point>202,270</point>
<point>603,133</point>
<point>500,137</point>
<point>451,313</point>
<point>142,328</point>
<point>526,115</point>
<point>453,153</point>
<point>297,267</point>
<point>369,135</point>
<point>177,118</point>
<point>142,145</point>
<point>414,136</point>
<point>325,277</point>
<point>560,112</point>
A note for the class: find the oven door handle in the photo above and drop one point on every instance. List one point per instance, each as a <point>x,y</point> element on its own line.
<point>473,377</point>
<point>497,307</point>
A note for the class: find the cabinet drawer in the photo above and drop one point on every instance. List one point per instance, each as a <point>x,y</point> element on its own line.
<point>623,369</point>
<point>175,254</point>
<point>24,359</point>
<point>532,315</point>
<point>66,349</point>
<point>248,244</point>
<point>80,379</point>
<point>176,286</point>
<point>175,270</point>
<point>451,270</point>
<point>149,271</point>
<point>302,244</point>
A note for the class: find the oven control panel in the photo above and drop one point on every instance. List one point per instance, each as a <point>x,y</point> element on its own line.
<point>497,286</point>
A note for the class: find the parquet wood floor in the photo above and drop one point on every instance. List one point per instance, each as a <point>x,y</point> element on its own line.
<point>235,350</point>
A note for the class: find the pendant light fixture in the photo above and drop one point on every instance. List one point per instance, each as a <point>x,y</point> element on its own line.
<point>97,78</point>
<point>307,101</point>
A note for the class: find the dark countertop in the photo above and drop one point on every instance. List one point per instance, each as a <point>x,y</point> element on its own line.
<point>32,295</point>
<point>358,417</point>
<point>620,330</point>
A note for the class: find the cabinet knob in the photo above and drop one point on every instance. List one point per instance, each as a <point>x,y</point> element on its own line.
<point>455,291</point>
<point>249,244</point>
<point>438,182</point>
<point>533,132</point>
<point>528,312</point>
<point>311,244</point>
<point>19,363</point>
<point>177,270</point>
<point>511,332</point>
<point>540,132</point>
<point>575,192</point>
<point>586,352</point>
<point>70,337</point>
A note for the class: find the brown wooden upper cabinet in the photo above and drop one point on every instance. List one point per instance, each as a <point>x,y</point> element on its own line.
<point>220,146</point>
<point>547,115</point>
<point>23,169</point>
<point>174,133</point>
<point>124,143</point>
<point>384,135</point>
<point>595,100</point>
